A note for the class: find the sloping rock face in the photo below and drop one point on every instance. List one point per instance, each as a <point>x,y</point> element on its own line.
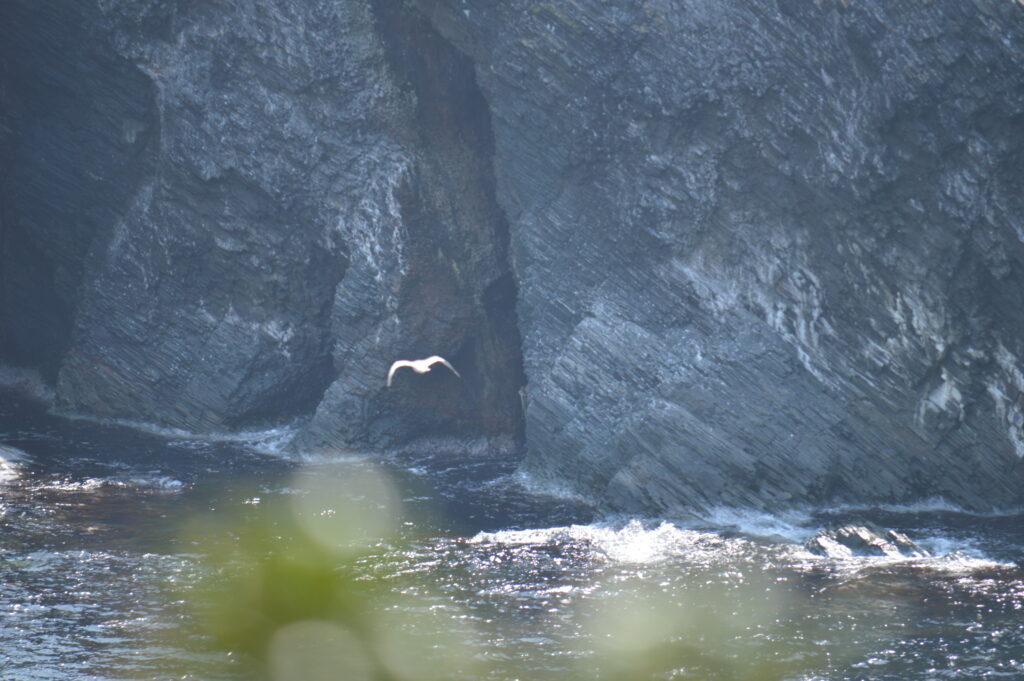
<point>768,252</point>
<point>756,253</point>
<point>281,199</point>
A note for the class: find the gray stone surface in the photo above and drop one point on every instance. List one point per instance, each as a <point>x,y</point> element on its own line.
<point>864,540</point>
<point>757,253</point>
<point>313,200</point>
<point>768,252</point>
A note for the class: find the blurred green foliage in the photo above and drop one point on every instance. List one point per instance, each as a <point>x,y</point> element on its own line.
<point>300,588</point>
<point>292,591</point>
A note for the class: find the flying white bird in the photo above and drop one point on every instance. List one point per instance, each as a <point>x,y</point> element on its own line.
<point>420,366</point>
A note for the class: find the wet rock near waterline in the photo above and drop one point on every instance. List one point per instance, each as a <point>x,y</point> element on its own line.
<point>863,541</point>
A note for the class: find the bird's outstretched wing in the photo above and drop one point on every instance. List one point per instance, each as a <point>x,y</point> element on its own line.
<point>434,359</point>
<point>395,367</point>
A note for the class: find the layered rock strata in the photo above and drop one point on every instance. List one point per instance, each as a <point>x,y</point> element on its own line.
<point>287,198</point>
<point>769,253</point>
<point>725,253</point>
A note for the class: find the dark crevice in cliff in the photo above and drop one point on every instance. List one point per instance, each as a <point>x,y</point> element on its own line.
<point>460,292</point>
<point>75,130</point>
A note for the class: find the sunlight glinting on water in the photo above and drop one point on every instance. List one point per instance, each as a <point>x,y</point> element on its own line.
<point>629,543</point>
<point>12,461</point>
<point>435,567</point>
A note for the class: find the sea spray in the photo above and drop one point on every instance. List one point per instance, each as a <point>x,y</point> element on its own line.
<point>12,462</point>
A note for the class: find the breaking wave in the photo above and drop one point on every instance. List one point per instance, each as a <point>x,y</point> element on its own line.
<point>12,462</point>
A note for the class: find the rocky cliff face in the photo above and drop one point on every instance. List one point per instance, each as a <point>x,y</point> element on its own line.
<point>292,196</point>
<point>768,252</point>
<point>765,253</point>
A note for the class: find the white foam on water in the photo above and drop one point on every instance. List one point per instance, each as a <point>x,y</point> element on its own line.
<point>953,552</point>
<point>957,554</point>
<point>941,545</point>
<point>960,562</point>
<point>326,456</point>
<point>158,484</point>
<point>949,555</point>
<point>28,382</point>
<point>633,542</point>
<point>792,526</point>
<point>955,563</point>
<point>84,485</point>
<point>12,463</point>
<point>273,441</point>
<point>640,542</point>
<point>8,471</point>
<point>930,505</point>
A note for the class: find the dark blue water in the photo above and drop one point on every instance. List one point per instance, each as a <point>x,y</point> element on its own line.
<point>105,543</point>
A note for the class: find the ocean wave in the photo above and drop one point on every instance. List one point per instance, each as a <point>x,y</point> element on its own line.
<point>155,484</point>
<point>633,542</point>
<point>795,525</point>
<point>647,542</point>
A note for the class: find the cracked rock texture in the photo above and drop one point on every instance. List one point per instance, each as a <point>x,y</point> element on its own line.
<point>768,253</point>
<point>733,252</point>
<point>242,213</point>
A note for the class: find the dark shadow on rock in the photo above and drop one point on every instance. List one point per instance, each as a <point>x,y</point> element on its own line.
<point>77,131</point>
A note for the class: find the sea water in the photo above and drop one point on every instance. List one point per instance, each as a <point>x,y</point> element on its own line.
<point>106,552</point>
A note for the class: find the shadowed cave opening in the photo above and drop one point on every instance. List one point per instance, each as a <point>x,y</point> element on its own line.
<point>461,289</point>
<point>77,124</point>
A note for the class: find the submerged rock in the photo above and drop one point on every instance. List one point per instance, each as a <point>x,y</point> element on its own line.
<point>865,541</point>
